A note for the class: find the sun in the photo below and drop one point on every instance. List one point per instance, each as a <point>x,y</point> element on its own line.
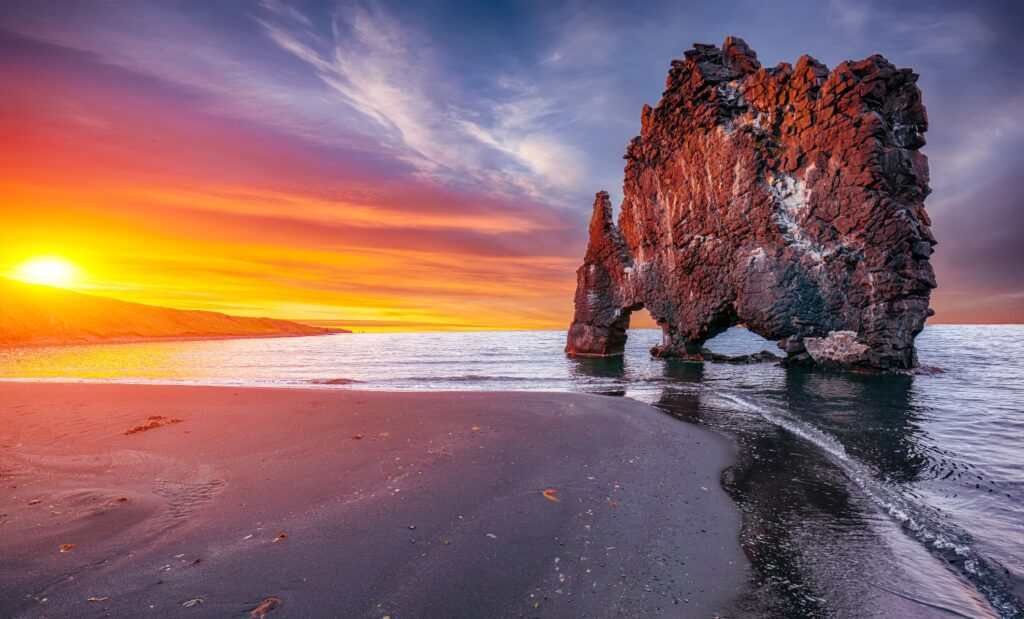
<point>47,270</point>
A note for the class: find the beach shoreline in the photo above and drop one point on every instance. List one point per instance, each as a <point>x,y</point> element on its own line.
<point>381,504</point>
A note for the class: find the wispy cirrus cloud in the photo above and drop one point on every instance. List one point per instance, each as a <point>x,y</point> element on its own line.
<point>918,32</point>
<point>220,69</point>
<point>496,135</point>
<point>363,78</point>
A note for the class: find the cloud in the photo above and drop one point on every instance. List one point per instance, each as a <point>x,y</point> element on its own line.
<point>851,15</point>
<point>585,38</point>
<point>977,152</point>
<point>219,70</point>
<point>359,78</point>
<point>392,76</point>
<point>947,34</point>
<point>918,32</point>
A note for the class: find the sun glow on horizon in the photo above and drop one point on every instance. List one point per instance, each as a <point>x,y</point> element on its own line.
<point>48,271</point>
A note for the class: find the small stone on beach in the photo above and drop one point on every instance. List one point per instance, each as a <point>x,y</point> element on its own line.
<point>265,607</point>
<point>154,421</point>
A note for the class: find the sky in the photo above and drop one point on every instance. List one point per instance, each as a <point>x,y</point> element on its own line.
<point>432,165</point>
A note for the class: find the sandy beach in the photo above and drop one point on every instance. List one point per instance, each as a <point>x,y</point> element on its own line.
<point>357,504</point>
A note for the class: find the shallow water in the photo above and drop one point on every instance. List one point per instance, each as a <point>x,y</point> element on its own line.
<point>861,495</point>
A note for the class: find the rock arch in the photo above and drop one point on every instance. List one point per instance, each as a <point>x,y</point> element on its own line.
<point>789,199</point>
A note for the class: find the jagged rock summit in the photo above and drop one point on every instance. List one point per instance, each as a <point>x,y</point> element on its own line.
<point>789,200</point>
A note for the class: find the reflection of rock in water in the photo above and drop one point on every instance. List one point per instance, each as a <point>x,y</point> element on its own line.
<point>818,545</point>
<point>603,369</point>
<point>874,417</point>
<point>607,367</point>
<point>684,371</point>
<point>681,402</point>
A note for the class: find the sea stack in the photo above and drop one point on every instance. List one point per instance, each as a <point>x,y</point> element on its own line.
<point>789,200</point>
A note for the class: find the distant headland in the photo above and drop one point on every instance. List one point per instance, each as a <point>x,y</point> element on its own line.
<point>34,315</point>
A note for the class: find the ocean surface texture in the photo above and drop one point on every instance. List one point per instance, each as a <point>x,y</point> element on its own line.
<point>862,495</point>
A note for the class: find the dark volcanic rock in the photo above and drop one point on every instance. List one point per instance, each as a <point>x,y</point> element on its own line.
<point>788,199</point>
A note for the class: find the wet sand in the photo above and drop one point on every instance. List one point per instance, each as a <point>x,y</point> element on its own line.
<point>358,504</point>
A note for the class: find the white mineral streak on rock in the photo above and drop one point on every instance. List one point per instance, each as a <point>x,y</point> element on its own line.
<point>758,257</point>
<point>791,206</point>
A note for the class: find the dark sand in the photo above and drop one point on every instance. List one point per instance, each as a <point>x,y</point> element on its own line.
<point>437,511</point>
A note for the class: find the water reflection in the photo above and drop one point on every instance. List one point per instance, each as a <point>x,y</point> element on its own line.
<point>682,400</point>
<point>874,417</point>
<point>684,371</point>
<point>818,544</point>
<point>603,376</point>
<point>608,367</point>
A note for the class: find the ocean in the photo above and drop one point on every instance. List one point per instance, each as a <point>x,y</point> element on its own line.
<point>856,490</point>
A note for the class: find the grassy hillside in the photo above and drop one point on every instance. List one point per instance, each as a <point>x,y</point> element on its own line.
<point>31,314</point>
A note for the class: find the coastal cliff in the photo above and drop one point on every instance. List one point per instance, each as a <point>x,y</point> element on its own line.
<point>787,199</point>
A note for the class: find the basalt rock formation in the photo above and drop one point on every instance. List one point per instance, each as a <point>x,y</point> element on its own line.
<point>789,200</point>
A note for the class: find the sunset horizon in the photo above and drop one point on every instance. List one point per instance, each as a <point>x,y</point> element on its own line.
<point>511,309</point>
<point>457,196</point>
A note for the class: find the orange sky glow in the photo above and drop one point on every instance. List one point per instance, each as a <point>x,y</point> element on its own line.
<point>375,176</point>
<point>165,205</point>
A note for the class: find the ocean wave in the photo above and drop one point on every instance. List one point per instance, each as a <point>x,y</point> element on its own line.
<point>468,378</point>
